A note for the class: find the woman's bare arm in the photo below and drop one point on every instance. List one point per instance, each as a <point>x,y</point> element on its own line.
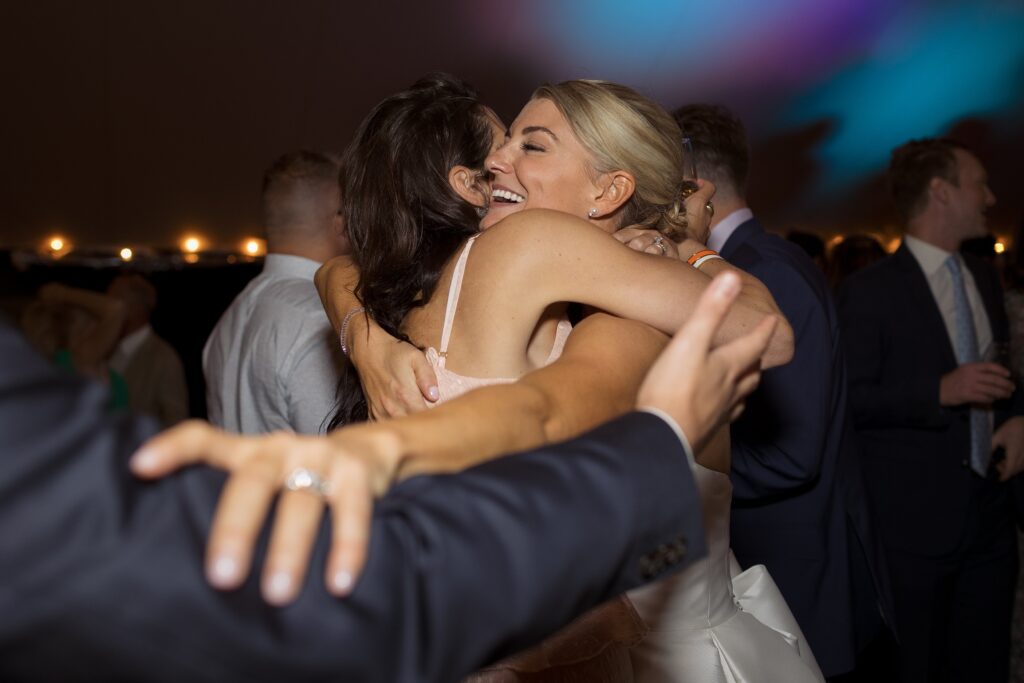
<point>697,386</point>
<point>595,379</point>
<point>396,378</point>
<point>607,359</point>
<point>538,257</point>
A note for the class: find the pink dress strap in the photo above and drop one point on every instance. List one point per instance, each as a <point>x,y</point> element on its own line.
<point>451,384</point>
<point>561,336</point>
<point>453,300</point>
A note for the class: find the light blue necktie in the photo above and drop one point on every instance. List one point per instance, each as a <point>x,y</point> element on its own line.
<point>967,352</point>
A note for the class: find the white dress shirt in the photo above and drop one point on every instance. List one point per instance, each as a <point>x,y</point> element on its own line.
<point>273,361</point>
<point>933,262</point>
<point>721,233</point>
<point>127,348</point>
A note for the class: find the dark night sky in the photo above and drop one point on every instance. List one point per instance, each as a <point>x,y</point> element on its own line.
<point>130,122</point>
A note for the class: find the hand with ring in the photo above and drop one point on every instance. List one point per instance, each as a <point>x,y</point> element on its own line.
<point>346,471</point>
<point>646,240</point>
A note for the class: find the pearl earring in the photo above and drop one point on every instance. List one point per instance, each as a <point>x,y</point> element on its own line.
<point>592,212</point>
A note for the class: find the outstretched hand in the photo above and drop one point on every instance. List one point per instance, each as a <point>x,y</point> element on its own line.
<point>345,470</point>
<point>700,387</point>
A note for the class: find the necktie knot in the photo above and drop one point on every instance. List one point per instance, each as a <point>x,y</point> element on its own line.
<point>953,264</point>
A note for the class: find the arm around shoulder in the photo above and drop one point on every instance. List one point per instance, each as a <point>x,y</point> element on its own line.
<point>539,257</point>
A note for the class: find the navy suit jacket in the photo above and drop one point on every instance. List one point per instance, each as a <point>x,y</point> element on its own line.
<point>915,451</point>
<point>798,504</point>
<point>101,575</point>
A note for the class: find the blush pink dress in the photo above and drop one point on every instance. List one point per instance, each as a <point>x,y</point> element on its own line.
<point>710,623</point>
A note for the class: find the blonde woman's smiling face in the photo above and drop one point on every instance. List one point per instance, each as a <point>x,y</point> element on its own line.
<point>540,164</point>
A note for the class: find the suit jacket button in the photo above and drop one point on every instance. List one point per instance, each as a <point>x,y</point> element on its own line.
<point>963,463</point>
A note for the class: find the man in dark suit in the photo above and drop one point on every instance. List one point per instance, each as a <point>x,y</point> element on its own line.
<point>929,412</point>
<point>101,578</point>
<point>798,506</point>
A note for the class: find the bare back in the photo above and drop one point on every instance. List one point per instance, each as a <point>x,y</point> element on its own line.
<point>490,336</point>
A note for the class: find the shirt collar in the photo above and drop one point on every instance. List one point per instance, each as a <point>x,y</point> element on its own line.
<point>727,226</point>
<point>131,342</point>
<point>290,265</point>
<point>930,257</point>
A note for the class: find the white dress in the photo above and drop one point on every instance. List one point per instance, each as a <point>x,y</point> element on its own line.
<point>707,624</point>
<point>712,623</point>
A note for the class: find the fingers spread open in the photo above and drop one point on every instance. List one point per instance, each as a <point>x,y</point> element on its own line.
<point>190,442</point>
<point>350,516</point>
<point>240,513</point>
<point>296,522</point>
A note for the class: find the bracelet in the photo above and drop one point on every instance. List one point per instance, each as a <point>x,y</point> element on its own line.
<point>697,255</point>
<point>344,327</point>
<point>699,258</point>
<point>704,259</point>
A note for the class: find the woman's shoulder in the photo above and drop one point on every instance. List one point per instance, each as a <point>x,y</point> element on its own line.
<point>542,234</point>
<point>537,221</point>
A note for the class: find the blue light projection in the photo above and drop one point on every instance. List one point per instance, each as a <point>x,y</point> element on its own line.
<point>880,71</point>
<point>924,73</point>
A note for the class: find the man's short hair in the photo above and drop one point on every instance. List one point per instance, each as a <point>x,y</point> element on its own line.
<point>135,290</point>
<point>912,167</point>
<point>293,185</point>
<point>719,142</point>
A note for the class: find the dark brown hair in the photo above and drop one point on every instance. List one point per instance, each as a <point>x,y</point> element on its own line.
<point>404,220</point>
<point>719,142</point>
<point>912,167</point>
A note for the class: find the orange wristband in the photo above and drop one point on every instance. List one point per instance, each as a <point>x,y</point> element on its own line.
<point>701,254</point>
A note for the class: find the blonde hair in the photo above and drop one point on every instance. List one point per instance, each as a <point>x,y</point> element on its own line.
<point>623,130</point>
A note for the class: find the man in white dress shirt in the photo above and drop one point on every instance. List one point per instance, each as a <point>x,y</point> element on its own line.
<point>272,362</point>
<point>933,415</point>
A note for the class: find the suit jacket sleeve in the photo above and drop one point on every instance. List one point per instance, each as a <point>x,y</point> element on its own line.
<point>779,441</point>
<point>101,578</point>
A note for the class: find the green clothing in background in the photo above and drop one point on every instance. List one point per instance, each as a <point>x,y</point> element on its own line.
<point>118,388</point>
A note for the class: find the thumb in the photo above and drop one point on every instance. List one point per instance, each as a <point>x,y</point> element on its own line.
<point>426,379</point>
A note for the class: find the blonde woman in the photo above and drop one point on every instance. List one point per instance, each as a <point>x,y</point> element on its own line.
<point>491,308</point>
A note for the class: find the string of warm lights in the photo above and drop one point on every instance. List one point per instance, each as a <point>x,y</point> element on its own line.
<point>891,244</point>
<point>190,246</point>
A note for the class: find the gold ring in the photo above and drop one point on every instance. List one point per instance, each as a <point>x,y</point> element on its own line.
<point>710,208</point>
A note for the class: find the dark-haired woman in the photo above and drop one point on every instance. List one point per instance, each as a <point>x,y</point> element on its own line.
<point>491,308</point>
